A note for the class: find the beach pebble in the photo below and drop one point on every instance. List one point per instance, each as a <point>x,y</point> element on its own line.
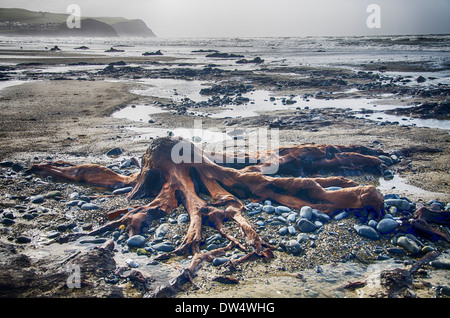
<point>396,251</point>
<point>306,213</point>
<point>440,264</point>
<point>89,206</point>
<point>400,204</point>
<point>23,240</point>
<point>72,203</point>
<point>114,152</point>
<point>408,245</point>
<point>291,230</point>
<point>122,190</point>
<point>282,209</point>
<point>294,247</point>
<point>305,226</point>
<point>37,199</point>
<point>183,218</point>
<point>220,260</point>
<point>291,217</point>
<point>283,231</point>
<point>373,223</point>
<point>340,216</point>
<point>322,217</point>
<point>132,263</point>
<point>6,221</point>
<point>136,241</point>
<point>427,249</point>
<point>268,209</point>
<point>53,194</point>
<point>163,247</point>
<point>367,232</point>
<point>161,231</point>
<point>387,225</point>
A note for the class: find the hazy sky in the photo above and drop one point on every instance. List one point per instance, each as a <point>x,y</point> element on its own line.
<point>247,18</point>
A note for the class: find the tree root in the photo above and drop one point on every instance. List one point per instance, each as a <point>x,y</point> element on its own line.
<point>171,184</point>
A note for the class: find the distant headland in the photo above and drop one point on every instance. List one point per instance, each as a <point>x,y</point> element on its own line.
<point>21,22</point>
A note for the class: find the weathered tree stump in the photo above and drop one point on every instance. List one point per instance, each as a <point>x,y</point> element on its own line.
<point>172,184</point>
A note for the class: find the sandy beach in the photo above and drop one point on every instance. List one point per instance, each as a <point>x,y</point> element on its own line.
<point>68,116</point>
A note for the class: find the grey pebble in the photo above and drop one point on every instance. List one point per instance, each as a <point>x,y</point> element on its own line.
<point>387,225</point>
<point>305,226</point>
<point>367,232</point>
<point>122,190</point>
<point>408,245</point>
<point>136,241</point>
<point>89,206</point>
<point>163,247</point>
<point>37,199</point>
<point>220,260</point>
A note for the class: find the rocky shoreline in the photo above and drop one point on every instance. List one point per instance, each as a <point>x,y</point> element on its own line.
<point>67,116</point>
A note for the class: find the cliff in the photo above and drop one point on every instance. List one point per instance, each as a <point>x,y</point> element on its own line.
<point>21,22</point>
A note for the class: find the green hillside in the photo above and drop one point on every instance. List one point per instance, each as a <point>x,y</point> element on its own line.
<point>21,22</point>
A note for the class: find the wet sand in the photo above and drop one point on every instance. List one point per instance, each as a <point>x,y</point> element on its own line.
<point>71,120</point>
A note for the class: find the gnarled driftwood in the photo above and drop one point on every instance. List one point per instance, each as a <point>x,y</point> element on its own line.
<point>173,183</point>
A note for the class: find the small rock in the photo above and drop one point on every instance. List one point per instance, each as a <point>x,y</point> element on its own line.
<point>122,190</point>
<point>114,152</point>
<point>396,251</point>
<point>367,232</point>
<point>72,203</point>
<point>305,226</point>
<point>220,260</point>
<point>163,247</point>
<point>132,263</point>
<point>421,79</point>
<point>89,206</point>
<point>37,199</point>
<point>440,264</point>
<point>340,216</point>
<point>6,221</point>
<point>161,231</point>
<point>400,204</point>
<point>61,228</point>
<point>322,217</point>
<point>268,209</point>
<point>283,230</point>
<point>373,223</point>
<point>53,194</point>
<point>306,213</point>
<point>136,241</point>
<point>291,230</point>
<point>183,218</point>
<point>282,209</point>
<point>292,217</point>
<point>408,245</point>
<point>387,225</point>
<point>427,249</point>
<point>23,240</point>
<point>143,251</point>
<point>294,247</point>
<point>28,216</point>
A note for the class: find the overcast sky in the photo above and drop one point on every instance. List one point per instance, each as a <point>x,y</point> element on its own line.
<point>248,18</point>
